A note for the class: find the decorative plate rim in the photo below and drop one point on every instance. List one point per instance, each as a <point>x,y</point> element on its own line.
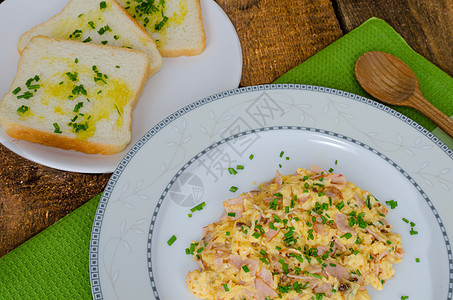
<point>97,223</point>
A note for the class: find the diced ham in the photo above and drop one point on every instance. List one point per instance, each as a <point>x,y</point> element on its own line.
<point>271,234</point>
<point>381,256</point>
<point>315,169</point>
<point>235,201</point>
<point>319,229</point>
<point>343,225</point>
<point>337,180</point>
<point>237,262</point>
<point>399,252</point>
<point>278,179</point>
<point>375,235</point>
<point>266,276</point>
<point>314,268</point>
<point>237,215</point>
<point>263,289</point>
<point>333,192</point>
<point>324,288</point>
<point>303,199</point>
<point>359,200</point>
<point>338,271</point>
<point>322,250</point>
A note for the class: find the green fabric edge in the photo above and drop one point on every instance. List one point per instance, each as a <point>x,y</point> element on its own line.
<point>54,264</point>
<point>333,67</point>
<point>67,241</point>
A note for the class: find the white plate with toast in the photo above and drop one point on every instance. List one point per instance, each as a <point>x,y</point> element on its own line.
<point>180,81</point>
<point>148,201</point>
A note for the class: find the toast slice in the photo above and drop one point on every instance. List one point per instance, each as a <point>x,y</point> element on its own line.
<point>175,25</point>
<point>75,96</point>
<point>99,22</point>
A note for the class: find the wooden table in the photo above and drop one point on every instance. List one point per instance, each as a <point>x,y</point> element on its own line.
<point>275,37</point>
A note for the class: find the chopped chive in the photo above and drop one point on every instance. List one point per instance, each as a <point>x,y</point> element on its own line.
<point>116,37</point>
<point>232,171</point>
<point>57,128</point>
<point>88,39</point>
<point>240,167</point>
<point>171,240</point>
<point>102,5</point>
<point>190,215</point>
<point>78,107</point>
<point>104,42</point>
<point>392,203</point>
<point>227,233</point>
<point>346,235</point>
<point>256,235</point>
<point>405,220</point>
<point>23,109</point>
<point>251,156</point>
<point>245,268</point>
<point>117,67</point>
<point>27,95</point>
<point>76,60</point>
<point>417,259</point>
<point>281,153</point>
<point>233,189</point>
<point>340,205</point>
<point>231,214</point>
<point>198,207</point>
<point>16,90</point>
<point>413,232</point>
<point>225,286</point>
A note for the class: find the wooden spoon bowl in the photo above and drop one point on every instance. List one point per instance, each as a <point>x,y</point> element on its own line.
<point>389,79</point>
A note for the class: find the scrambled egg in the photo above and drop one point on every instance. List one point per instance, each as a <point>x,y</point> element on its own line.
<point>309,235</point>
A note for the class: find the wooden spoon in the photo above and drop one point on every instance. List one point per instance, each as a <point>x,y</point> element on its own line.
<point>390,80</point>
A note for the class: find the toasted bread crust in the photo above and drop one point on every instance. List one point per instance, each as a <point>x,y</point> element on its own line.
<point>56,140</point>
<point>156,61</point>
<point>20,129</point>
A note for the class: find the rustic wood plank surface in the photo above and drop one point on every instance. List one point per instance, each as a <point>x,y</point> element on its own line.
<point>275,37</point>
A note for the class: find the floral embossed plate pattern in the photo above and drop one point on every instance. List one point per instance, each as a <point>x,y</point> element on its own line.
<point>183,161</point>
<point>180,81</point>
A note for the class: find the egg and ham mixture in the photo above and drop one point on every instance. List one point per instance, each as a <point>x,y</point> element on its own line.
<point>309,235</point>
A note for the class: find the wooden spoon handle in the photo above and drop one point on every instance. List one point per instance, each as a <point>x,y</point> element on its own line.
<point>425,107</point>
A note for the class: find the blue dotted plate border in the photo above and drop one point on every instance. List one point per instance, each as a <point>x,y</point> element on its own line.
<point>99,216</point>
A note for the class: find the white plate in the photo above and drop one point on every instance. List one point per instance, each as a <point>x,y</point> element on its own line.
<point>183,161</point>
<point>181,80</point>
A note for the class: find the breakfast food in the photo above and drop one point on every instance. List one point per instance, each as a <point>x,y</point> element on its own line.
<point>309,235</point>
<point>73,95</point>
<point>101,22</point>
<point>175,25</point>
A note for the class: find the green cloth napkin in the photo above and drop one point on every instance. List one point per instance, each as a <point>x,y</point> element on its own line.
<point>55,263</point>
<point>334,67</point>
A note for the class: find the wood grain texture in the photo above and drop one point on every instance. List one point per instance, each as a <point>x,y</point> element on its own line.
<point>275,36</point>
<point>278,35</point>
<point>425,25</point>
<point>33,197</point>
